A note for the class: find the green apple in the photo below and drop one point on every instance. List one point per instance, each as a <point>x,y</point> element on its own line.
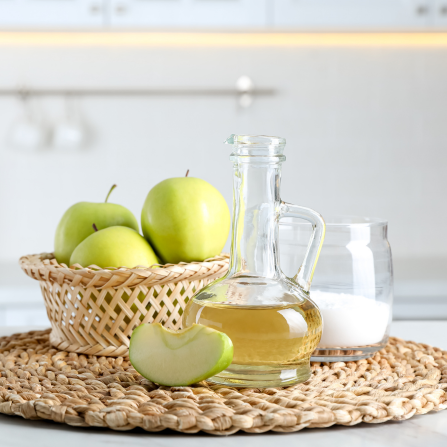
<point>76,224</point>
<point>185,219</point>
<point>179,358</point>
<point>114,247</point>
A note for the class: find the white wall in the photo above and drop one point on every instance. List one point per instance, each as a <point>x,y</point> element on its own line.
<point>365,127</point>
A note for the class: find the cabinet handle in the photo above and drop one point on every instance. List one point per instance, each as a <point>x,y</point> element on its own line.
<point>95,8</point>
<point>121,9</point>
<point>422,10</point>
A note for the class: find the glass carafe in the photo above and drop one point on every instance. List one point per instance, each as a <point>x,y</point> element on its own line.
<point>273,324</point>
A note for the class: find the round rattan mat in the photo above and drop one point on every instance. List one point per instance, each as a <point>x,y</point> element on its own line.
<point>40,382</point>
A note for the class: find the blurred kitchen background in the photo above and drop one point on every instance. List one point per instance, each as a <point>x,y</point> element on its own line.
<point>96,92</point>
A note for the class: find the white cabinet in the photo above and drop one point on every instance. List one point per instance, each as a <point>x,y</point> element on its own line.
<point>352,15</point>
<point>51,14</point>
<point>188,14</point>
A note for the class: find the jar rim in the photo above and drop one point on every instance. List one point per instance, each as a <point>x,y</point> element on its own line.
<point>341,221</point>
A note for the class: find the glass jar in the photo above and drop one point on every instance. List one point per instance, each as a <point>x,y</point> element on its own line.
<point>273,324</point>
<point>352,287</point>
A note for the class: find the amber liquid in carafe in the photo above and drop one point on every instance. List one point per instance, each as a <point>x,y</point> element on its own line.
<point>280,337</point>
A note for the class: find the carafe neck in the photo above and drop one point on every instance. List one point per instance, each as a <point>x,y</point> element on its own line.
<point>256,205</point>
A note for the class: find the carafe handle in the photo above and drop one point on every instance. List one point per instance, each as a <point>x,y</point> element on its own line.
<point>306,271</point>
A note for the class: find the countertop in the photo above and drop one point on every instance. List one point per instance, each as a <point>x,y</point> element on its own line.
<point>430,429</point>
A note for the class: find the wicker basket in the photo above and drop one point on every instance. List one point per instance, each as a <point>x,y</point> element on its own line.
<point>93,311</point>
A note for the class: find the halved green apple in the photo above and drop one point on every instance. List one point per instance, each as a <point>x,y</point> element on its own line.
<point>179,358</point>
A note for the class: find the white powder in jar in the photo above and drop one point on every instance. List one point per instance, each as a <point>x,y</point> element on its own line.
<point>350,320</point>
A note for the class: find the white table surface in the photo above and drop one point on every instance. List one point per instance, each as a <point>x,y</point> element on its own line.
<point>429,430</point>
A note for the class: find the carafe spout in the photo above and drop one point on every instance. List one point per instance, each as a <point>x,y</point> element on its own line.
<point>257,146</point>
<point>230,139</point>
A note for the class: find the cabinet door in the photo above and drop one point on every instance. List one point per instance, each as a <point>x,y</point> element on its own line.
<point>51,14</point>
<point>440,14</point>
<point>199,14</point>
<point>352,15</point>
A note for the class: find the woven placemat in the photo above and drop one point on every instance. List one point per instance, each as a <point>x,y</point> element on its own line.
<point>40,382</point>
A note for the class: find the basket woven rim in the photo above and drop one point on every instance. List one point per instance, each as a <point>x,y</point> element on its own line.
<point>44,267</point>
<point>38,382</point>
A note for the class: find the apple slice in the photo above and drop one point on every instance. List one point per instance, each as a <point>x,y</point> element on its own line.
<point>179,358</point>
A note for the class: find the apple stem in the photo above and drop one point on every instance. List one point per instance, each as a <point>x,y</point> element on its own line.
<point>110,192</point>
<point>95,227</point>
<point>187,172</point>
